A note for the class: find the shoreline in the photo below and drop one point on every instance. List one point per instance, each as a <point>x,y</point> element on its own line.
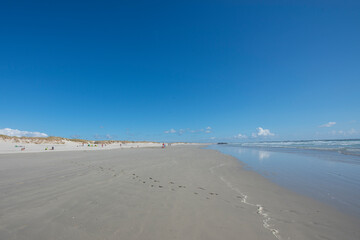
<point>152,193</point>
<point>287,211</point>
<point>328,177</point>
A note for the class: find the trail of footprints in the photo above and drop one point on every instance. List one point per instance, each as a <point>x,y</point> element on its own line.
<point>199,191</point>
<point>154,183</point>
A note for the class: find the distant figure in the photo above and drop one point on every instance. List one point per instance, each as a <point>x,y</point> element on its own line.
<point>52,148</point>
<point>163,145</point>
<point>102,145</point>
<point>22,149</point>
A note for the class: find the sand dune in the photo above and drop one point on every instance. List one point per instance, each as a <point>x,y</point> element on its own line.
<point>10,144</point>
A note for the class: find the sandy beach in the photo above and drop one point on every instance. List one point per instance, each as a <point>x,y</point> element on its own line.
<point>180,192</point>
<point>11,144</point>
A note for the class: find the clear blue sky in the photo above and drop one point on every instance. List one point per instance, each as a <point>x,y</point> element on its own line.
<point>167,70</point>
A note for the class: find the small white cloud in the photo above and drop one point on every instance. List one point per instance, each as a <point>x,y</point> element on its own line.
<point>262,133</point>
<point>212,138</point>
<point>352,131</point>
<point>18,133</point>
<point>180,132</point>
<point>170,131</point>
<point>240,136</point>
<point>329,124</point>
<point>208,130</point>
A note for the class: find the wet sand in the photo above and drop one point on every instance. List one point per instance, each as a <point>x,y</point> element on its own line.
<point>181,192</point>
<point>326,176</point>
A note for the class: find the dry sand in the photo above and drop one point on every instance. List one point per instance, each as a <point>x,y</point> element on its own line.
<point>181,192</point>
<point>15,145</point>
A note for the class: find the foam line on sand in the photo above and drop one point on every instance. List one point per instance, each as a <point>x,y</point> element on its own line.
<point>260,208</point>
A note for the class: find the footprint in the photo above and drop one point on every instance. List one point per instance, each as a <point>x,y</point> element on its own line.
<point>152,186</point>
<point>144,182</point>
<point>196,193</point>
<point>171,182</point>
<point>150,178</point>
<point>160,186</point>
<point>201,188</point>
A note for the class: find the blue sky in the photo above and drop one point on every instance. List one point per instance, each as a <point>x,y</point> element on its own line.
<point>181,70</point>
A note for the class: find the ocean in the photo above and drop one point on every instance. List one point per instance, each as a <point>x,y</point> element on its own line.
<point>348,146</point>
<point>326,170</point>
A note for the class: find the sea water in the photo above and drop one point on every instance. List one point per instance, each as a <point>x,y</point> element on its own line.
<point>328,171</point>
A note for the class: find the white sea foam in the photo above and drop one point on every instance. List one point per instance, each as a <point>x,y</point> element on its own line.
<point>260,209</point>
<point>350,147</point>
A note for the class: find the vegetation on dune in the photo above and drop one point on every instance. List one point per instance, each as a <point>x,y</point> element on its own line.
<point>119,142</point>
<point>79,140</point>
<point>35,140</point>
<point>60,140</point>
